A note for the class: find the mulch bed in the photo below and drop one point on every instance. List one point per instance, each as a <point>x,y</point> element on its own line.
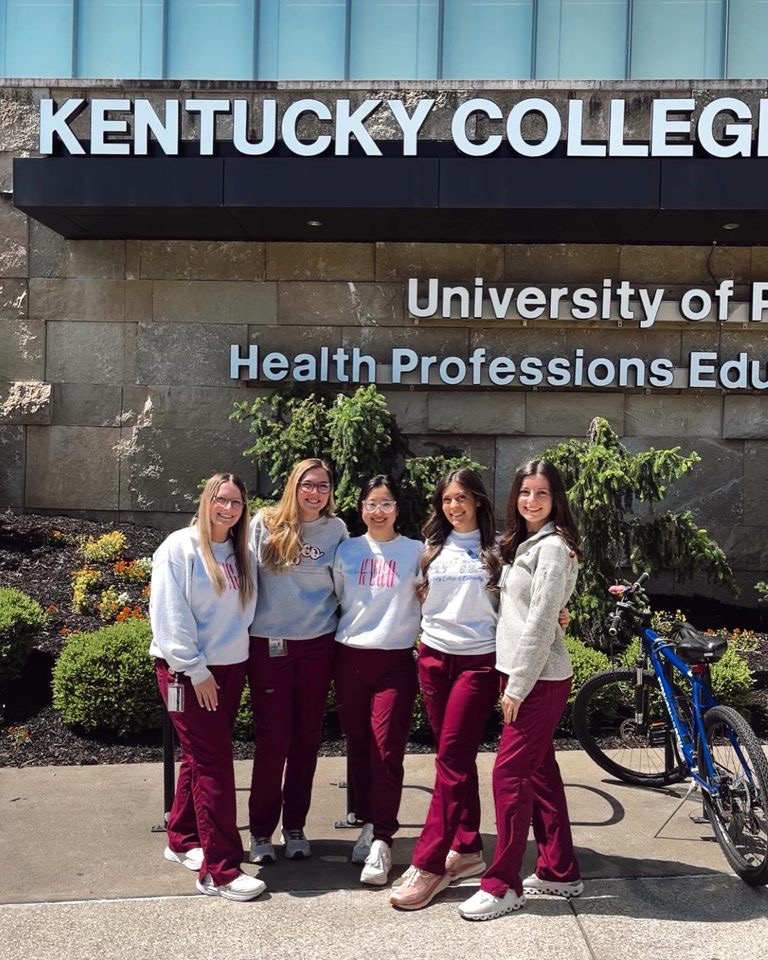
<point>37,555</point>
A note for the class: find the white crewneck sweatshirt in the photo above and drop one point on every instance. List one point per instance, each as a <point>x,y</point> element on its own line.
<point>376,587</point>
<point>459,614</point>
<point>193,626</point>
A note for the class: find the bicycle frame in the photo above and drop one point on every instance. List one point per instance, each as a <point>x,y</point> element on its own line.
<point>660,653</point>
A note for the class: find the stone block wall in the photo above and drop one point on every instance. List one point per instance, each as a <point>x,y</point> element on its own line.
<point>114,360</point>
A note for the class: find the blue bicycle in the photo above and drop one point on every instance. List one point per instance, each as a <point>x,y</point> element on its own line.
<point>659,723</point>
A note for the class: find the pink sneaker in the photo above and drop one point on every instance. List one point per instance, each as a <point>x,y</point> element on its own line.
<point>417,888</point>
<point>462,865</point>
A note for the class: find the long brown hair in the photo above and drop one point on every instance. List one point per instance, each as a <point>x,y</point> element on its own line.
<point>517,529</point>
<point>437,528</point>
<point>283,521</point>
<point>238,534</point>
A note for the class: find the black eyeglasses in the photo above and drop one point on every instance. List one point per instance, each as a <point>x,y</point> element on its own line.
<point>308,487</point>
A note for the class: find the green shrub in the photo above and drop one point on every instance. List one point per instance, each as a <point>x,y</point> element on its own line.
<point>244,719</point>
<point>586,662</point>
<point>105,681</point>
<point>21,619</point>
<point>421,731</point>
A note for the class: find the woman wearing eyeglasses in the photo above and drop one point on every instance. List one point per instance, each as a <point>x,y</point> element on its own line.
<point>375,672</point>
<point>291,654</point>
<point>203,598</point>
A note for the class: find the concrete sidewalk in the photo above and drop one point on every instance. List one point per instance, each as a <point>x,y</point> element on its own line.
<point>84,877</point>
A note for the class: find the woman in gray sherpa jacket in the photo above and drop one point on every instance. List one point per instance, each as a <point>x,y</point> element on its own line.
<point>540,550</point>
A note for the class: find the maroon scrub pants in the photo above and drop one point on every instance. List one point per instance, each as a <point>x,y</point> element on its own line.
<point>204,811</point>
<point>375,691</point>
<point>528,788</point>
<point>459,693</point>
<point>288,697</point>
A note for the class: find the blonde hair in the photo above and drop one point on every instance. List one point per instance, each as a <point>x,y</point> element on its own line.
<point>238,535</point>
<point>283,521</point>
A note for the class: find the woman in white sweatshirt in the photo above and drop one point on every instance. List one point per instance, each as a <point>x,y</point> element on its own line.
<point>458,679</point>
<point>375,673</point>
<point>540,550</point>
<point>291,654</point>
<point>202,601</point>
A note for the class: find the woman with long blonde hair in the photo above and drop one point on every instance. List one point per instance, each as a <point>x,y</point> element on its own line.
<point>291,653</point>
<point>202,600</point>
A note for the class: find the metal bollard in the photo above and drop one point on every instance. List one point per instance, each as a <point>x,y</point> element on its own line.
<point>169,772</point>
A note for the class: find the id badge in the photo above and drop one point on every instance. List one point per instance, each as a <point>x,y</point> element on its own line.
<point>175,698</point>
<point>277,647</point>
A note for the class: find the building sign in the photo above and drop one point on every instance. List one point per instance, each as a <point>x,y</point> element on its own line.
<point>619,300</point>
<point>705,370</point>
<point>406,366</point>
<point>722,127</point>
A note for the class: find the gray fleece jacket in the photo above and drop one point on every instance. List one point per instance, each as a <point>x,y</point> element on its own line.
<point>534,588</point>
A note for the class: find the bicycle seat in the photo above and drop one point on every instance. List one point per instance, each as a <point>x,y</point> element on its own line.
<point>695,647</point>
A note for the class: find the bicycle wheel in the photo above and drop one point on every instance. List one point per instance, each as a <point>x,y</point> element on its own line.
<point>604,719</point>
<point>739,814</point>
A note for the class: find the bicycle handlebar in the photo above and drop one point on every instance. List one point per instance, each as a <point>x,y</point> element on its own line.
<point>624,603</point>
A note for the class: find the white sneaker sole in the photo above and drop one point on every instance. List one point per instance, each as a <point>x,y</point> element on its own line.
<point>554,891</point>
<point>298,855</point>
<point>261,858</point>
<point>501,912</point>
<point>172,857</point>
<point>375,880</point>
<point>228,894</point>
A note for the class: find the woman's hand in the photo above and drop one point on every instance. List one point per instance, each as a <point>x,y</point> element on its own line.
<point>564,618</point>
<point>510,708</point>
<point>207,693</point>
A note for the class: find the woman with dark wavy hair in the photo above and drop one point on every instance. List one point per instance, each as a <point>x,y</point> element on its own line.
<point>458,680</point>
<point>540,550</point>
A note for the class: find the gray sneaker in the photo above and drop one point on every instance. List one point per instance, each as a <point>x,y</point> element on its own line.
<point>262,850</point>
<point>362,847</point>
<point>296,845</point>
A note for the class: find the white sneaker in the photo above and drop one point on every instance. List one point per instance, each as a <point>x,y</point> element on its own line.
<point>191,859</point>
<point>378,864</point>
<point>262,850</point>
<point>362,846</point>
<point>484,906</point>
<point>535,885</point>
<point>243,887</point>
<point>296,845</point>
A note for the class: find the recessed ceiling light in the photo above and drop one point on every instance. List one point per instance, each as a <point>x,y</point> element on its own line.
<point>731,226</point>
<point>314,223</point>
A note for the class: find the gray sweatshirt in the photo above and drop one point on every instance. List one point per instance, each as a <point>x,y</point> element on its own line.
<point>301,603</point>
<point>534,588</point>
<point>192,625</point>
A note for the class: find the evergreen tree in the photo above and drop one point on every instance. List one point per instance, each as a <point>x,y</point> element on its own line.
<point>357,434</point>
<point>613,494</point>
